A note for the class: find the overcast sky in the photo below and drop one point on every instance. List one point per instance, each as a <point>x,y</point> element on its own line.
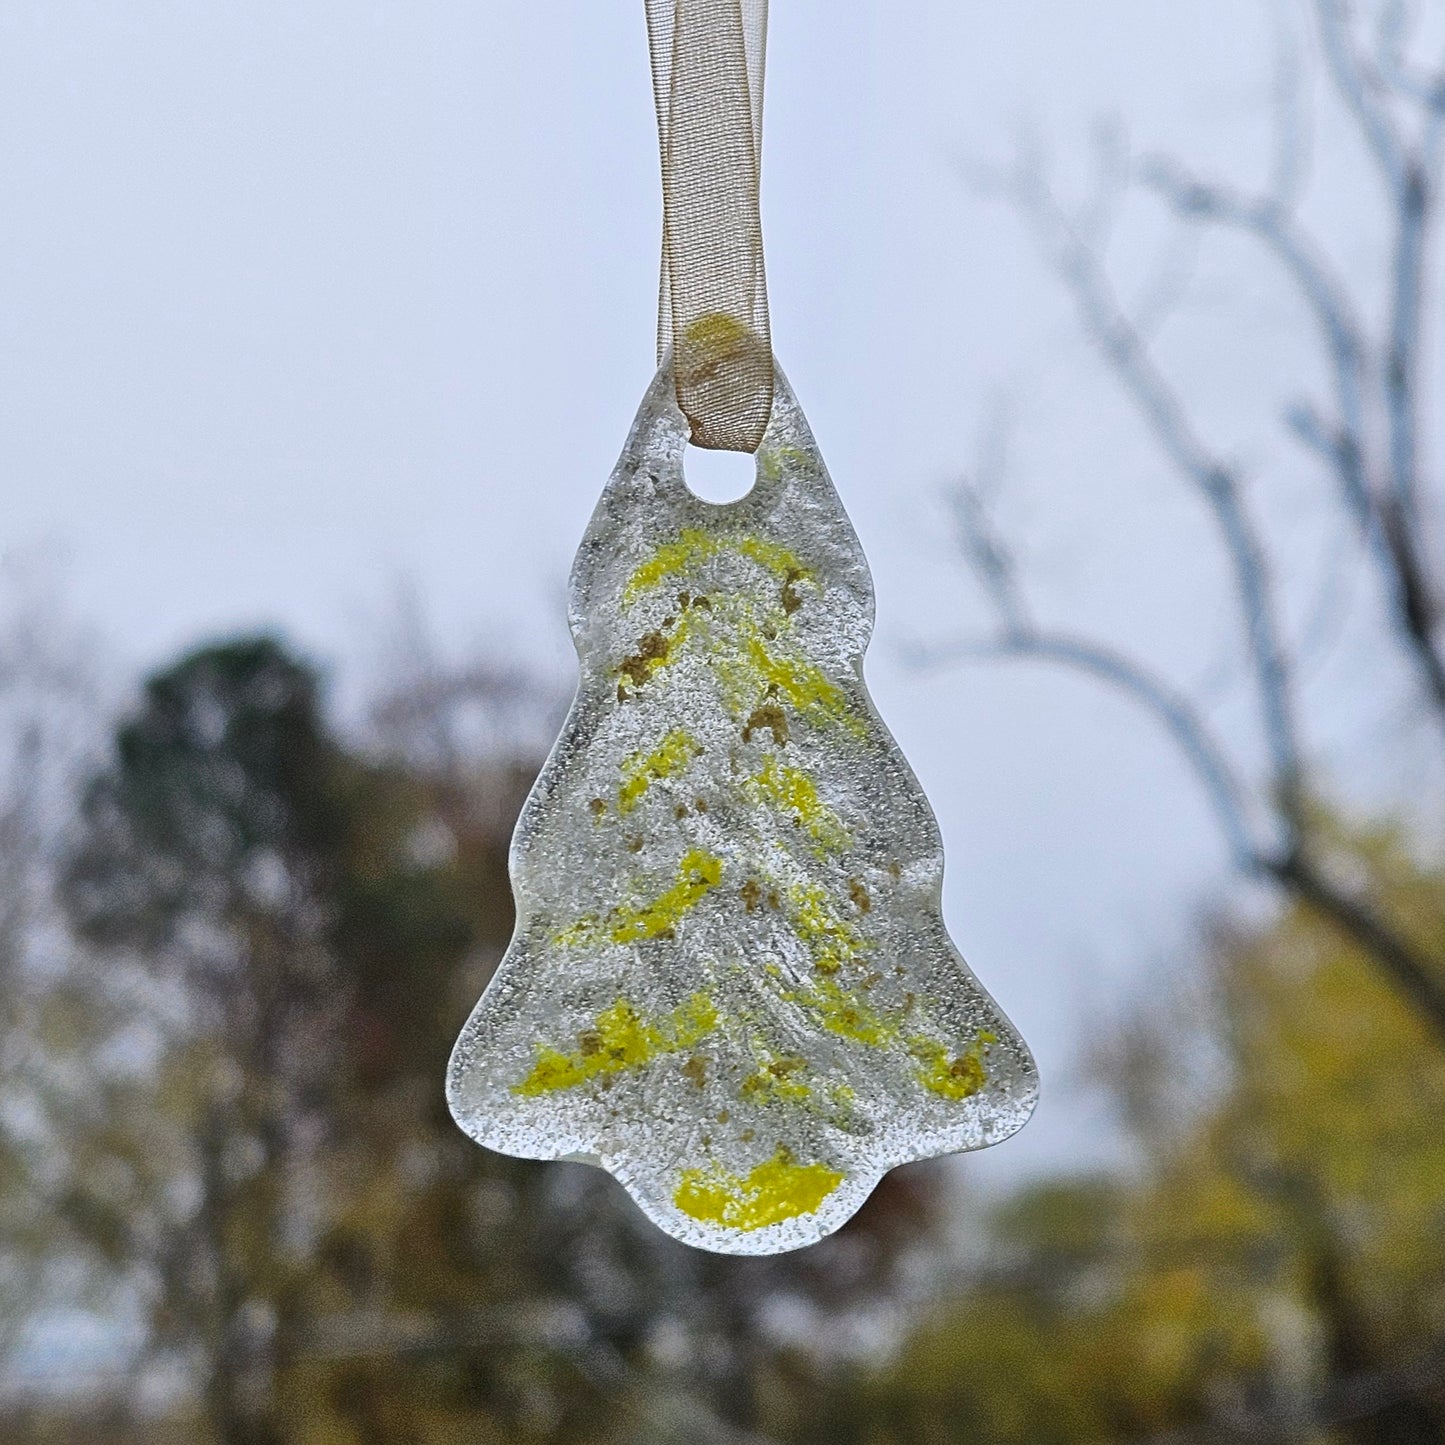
<point>299,299</point>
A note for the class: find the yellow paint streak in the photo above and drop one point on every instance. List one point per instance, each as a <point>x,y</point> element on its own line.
<point>756,675</point>
<point>584,931</point>
<point>717,332</point>
<point>802,684</point>
<point>850,1018</point>
<point>697,875</point>
<point>618,1041</point>
<point>641,770</point>
<point>830,940</point>
<point>795,792</point>
<point>950,1077</point>
<point>773,1192</point>
<point>778,560</point>
<point>694,546</point>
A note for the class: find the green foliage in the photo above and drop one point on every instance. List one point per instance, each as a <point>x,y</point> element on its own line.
<point>224,771</point>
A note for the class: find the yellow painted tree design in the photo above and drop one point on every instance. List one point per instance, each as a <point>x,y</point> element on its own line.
<point>730,983</point>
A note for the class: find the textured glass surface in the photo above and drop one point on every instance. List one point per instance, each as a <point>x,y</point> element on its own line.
<point>730,983</point>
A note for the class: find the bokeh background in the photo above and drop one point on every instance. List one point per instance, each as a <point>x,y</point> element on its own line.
<point>321,325</point>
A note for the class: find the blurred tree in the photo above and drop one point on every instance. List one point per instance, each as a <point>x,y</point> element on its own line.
<point>207,849</point>
<point>1313,1188</point>
<point>50,1016</point>
<point>1366,437</point>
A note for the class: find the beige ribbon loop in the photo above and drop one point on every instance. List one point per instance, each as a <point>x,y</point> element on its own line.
<point>708,59</point>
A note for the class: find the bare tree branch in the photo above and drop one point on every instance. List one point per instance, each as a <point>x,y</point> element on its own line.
<point>1272,223</point>
<point>1117,339</point>
<point>1293,119</point>
<point>1019,637</point>
<point>1425,89</point>
<point>1169,707</point>
<point>1418,976</point>
<point>1388,517</point>
<point>1367,437</point>
<point>1285,861</point>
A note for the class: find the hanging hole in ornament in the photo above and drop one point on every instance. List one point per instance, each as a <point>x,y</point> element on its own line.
<point>719,477</point>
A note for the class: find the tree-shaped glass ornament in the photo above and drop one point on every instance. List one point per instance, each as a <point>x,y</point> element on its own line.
<point>730,984</point>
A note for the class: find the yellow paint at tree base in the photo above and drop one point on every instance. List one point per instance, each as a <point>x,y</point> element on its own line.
<point>772,1193</point>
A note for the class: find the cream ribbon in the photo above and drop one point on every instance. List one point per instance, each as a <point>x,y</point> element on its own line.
<point>708,60</point>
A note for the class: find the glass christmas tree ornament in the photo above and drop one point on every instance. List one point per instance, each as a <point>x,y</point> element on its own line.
<point>730,984</point>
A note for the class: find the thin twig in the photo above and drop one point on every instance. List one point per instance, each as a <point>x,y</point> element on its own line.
<point>1361,88</point>
<point>1117,339</point>
<point>1388,519</point>
<point>1169,707</point>
<point>1276,227</point>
